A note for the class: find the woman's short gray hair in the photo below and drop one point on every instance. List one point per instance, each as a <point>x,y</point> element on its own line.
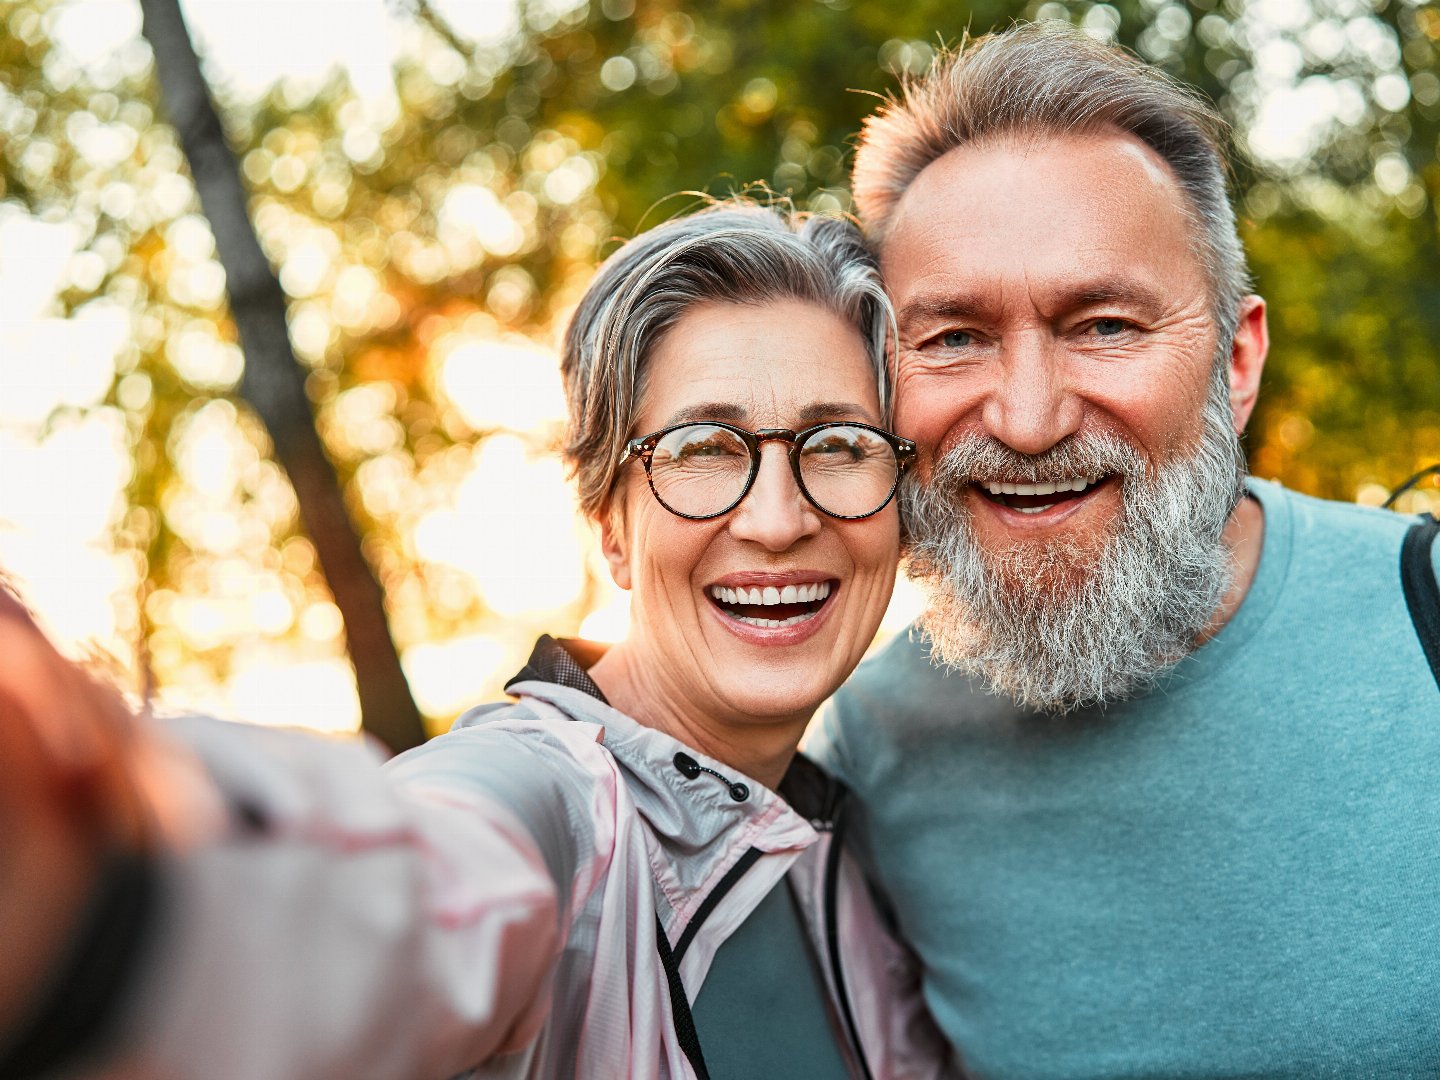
<point>734,252</point>
<point>1051,78</point>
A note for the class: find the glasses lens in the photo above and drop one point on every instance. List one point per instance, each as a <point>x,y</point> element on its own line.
<point>699,469</point>
<point>848,471</point>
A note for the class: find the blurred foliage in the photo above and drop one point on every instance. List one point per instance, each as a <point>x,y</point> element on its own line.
<point>463,217</point>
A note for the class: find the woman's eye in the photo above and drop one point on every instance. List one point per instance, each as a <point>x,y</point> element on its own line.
<point>956,339</point>
<point>1110,327</point>
<point>695,450</point>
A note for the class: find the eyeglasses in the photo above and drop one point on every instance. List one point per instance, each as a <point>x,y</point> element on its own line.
<point>702,470</point>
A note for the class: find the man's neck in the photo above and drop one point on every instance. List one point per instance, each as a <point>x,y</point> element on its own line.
<point>1245,537</point>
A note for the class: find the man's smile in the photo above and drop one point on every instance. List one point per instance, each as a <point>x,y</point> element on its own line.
<point>1035,498</point>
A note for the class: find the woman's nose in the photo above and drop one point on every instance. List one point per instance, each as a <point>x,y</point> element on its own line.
<point>774,513</point>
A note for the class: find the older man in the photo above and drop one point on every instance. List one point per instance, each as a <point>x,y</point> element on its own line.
<point>1156,790</point>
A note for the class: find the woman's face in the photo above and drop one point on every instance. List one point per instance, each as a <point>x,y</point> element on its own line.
<point>781,364</point>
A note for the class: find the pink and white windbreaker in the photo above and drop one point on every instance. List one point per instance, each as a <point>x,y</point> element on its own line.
<point>488,905</point>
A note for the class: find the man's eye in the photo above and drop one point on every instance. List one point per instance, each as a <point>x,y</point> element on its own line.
<point>956,339</point>
<point>1110,327</point>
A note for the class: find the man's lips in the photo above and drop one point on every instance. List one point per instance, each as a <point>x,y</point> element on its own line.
<point>1040,496</point>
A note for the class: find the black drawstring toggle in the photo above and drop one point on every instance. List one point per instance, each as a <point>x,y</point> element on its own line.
<point>690,769</point>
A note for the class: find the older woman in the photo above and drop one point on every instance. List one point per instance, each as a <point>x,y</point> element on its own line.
<point>627,870</point>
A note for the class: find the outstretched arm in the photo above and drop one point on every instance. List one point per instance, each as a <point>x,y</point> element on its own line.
<point>76,769</point>
<point>283,906</point>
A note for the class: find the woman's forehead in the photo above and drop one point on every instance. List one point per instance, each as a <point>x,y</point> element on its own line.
<point>743,361</point>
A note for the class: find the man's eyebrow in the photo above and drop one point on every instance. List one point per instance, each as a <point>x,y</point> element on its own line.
<point>1131,293</point>
<point>962,307</point>
<point>939,309</point>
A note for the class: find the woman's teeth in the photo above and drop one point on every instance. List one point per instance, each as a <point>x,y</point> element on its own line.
<point>741,603</point>
<point>769,596</point>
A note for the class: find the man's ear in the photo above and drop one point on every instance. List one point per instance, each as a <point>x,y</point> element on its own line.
<point>613,546</point>
<point>1247,359</point>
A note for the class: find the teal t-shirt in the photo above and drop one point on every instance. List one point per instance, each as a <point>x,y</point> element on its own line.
<point>762,1012</point>
<point>1236,874</point>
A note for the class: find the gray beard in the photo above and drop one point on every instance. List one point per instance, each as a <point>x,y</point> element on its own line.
<point>1061,624</point>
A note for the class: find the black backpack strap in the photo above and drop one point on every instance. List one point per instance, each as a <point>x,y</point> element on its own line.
<point>1422,594</point>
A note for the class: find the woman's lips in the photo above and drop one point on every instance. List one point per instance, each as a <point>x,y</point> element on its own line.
<point>772,610</point>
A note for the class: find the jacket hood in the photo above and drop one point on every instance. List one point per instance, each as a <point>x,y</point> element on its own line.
<point>694,812</point>
<point>690,809</point>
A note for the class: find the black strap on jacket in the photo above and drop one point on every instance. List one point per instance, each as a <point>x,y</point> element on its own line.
<point>680,1004</point>
<point>832,940</point>
<point>1422,594</point>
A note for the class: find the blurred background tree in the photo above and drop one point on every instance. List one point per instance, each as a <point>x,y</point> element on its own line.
<point>431,237</point>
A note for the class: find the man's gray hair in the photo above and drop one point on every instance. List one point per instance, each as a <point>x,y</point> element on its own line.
<point>735,252</point>
<point>1053,79</point>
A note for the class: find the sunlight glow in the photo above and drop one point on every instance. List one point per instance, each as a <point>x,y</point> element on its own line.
<point>449,676</point>
<point>906,604</point>
<point>59,497</point>
<point>1290,115</point>
<point>510,384</point>
<point>316,694</point>
<point>609,622</point>
<point>474,212</point>
<point>513,528</point>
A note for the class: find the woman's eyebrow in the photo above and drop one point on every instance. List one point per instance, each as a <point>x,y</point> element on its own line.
<point>708,410</point>
<point>817,412</point>
<point>820,411</point>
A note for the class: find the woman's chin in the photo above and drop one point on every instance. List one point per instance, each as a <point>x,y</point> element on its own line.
<point>774,686</point>
<point>771,698</point>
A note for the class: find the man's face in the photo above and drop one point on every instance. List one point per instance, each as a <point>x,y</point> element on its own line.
<point>1048,288</point>
<point>1057,366</point>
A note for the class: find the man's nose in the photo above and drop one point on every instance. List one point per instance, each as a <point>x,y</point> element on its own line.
<point>1031,405</point>
<point>774,513</point>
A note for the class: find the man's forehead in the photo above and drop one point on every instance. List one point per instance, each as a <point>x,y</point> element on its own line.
<point>1129,161</point>
<point>1054,216</point>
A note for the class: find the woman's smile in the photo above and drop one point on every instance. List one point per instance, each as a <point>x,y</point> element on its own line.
<point>773,608</point>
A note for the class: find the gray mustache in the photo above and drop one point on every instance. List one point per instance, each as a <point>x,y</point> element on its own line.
<point>979,459</point>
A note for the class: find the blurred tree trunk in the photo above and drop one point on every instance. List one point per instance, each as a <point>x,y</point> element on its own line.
<point>274,382</point>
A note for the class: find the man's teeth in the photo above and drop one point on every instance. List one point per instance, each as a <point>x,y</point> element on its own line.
<point>770,596</point>
<point>1077,484</point>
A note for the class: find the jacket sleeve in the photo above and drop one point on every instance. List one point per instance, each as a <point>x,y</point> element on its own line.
<point>353,920</point>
